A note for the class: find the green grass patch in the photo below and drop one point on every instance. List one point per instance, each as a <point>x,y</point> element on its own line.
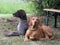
<point>10,6</point>
<point>6,15</point>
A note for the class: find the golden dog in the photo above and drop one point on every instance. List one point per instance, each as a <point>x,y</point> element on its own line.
<point>38,31</point>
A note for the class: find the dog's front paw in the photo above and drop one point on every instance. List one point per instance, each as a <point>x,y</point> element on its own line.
<point>26,39</point>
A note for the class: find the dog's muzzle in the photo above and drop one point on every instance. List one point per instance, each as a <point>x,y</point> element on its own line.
<point>35,25</point>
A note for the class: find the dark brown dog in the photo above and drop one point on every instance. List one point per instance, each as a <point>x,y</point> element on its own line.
<point>20,14</point>
<point>22,25</point>
<point>38,31</point>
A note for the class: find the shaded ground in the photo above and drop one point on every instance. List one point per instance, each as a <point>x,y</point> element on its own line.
<point>9,24</point>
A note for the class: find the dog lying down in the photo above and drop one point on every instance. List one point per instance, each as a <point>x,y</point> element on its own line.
<point>37,30</point>
<point>22,25</point>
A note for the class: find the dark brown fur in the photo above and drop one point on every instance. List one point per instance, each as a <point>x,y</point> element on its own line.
<point>20,14</point>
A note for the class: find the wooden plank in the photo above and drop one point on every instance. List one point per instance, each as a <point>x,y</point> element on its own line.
<point>52,10</point>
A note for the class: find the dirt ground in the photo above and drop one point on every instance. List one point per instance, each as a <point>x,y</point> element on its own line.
<point>10,24</point>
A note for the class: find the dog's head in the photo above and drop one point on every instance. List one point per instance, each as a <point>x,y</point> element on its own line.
<point>20,14</point>
<point>34,22</point>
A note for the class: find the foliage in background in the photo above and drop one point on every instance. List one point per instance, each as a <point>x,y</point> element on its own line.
<point>30,6</point>
<point>51,3</point>
<point>38,5</point>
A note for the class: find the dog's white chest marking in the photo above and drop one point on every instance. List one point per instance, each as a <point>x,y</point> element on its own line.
<point>22,26</point>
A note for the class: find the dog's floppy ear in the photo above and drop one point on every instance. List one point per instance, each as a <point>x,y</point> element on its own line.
<point>22,13</point>
<point>40,22</point>
<point>29,22</point>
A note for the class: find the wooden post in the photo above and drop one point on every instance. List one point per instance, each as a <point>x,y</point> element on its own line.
<point>55,19</point>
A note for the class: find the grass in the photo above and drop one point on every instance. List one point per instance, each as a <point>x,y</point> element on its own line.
<point>5,15</point>
<point>10,6</point>
<point>5,26</point>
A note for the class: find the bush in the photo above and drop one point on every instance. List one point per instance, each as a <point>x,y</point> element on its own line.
<point>38,5</point>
